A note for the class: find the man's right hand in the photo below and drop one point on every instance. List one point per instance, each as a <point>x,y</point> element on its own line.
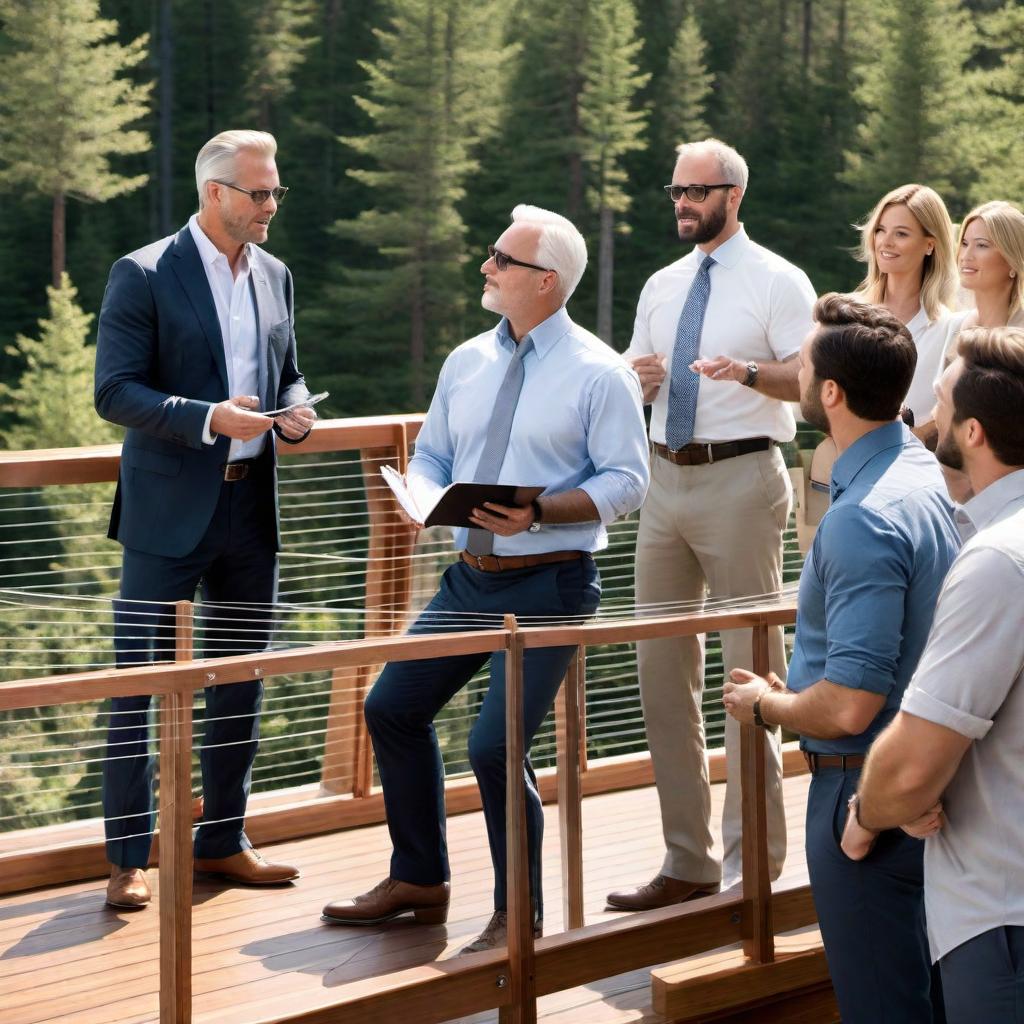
<point>233,418</point>
<point>651,371</point>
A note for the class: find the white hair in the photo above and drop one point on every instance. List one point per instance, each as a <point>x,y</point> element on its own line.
<point>560,248</point>
<point>732,166</point>
<point>216,160</point>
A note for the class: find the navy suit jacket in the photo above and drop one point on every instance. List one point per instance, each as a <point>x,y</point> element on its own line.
<point>160,366</point>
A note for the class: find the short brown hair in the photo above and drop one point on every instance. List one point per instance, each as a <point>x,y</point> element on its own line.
<point>990,388</point>
<point>867,351</point>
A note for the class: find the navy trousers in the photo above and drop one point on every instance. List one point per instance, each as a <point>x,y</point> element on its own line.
<point>983,979</point>
<point>401,707</point>
<point>236,565</point>
<point>871,914</point>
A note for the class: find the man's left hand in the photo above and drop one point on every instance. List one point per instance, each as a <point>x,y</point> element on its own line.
<point>721,368</point>
<point>297,423</point>
<point>741,691</point>
<point>857,840</point>
<point>504,520</point>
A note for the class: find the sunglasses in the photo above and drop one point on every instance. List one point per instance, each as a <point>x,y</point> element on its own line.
<point>695,193</point>
<point>258,195</point>
<point>503,261</point>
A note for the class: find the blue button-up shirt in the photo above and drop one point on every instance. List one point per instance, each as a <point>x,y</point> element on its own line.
<point>578,423</point>
<point>869,586</point>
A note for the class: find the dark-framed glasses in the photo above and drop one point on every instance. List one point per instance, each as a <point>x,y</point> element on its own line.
<point>503,261</point>
<point>695,193</point>
<point>258,195</point>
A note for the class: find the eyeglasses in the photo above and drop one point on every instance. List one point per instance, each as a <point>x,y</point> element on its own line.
<point>258,195</point>
<point>503,261</point>
<point>695,193</point>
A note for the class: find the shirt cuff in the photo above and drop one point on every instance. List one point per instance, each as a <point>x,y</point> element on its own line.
<point>606,510</point>
<point>921,704</point>
<point>208,438</point>
<point>853,673</point>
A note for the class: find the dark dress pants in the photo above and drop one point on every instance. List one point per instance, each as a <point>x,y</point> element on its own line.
<point>983,978</point>
<point>236,563</point>
<point>401,707</point>
<point>871,914</point>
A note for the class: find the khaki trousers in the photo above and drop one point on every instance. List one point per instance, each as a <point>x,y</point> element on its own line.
<point>708,531</point>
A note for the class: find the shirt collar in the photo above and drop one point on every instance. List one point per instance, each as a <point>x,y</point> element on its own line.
<point>983,508</point>
<point>728,254</point>
<point>208,252</point>
<point>545,335</point>
<point>863,450</point>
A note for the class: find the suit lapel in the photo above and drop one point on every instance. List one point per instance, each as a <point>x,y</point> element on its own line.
<point>265,305</point>
<point>190,272</point>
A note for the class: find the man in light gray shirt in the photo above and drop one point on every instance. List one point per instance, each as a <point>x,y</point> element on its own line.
<point>951,764</point>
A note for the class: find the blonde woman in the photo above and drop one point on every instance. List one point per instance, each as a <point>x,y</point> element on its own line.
<point>907,244</point>
<point>990,258</point>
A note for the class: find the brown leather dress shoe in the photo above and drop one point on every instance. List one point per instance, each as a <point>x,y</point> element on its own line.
<point>389,899</point>
<point>496,934</point>
<point>128,888</point>
<point>248,868</point>
<point>660,891</point>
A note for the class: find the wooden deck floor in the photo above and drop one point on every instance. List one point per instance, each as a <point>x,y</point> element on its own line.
<point>65,957</point>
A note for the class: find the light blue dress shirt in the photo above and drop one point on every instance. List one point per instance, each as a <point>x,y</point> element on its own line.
<point>869,586</point>
<point>579,423</point>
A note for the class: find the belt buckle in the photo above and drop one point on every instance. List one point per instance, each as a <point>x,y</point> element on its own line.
<point>235,471</point>
<point>479,561</point>
<point>711,454</point>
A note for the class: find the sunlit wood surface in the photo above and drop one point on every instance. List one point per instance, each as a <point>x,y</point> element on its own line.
<point>65,957</point>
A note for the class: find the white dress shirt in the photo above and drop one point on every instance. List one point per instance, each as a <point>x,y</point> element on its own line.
<point>236,312</point>
<point>759,309</point>
<point>931,338</point>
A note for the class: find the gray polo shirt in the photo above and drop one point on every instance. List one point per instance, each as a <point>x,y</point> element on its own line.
<point>971,679</point>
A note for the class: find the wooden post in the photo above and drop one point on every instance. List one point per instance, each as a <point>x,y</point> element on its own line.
<point>523,1007</point>
<point>176,836</point>
<point>570,790</point>
<point>758,942</point>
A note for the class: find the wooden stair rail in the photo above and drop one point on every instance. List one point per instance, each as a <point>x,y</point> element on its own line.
<point>570,746</point>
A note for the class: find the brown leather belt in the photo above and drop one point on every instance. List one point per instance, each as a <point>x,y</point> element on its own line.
<point>239,469</point>
<point>846,762</point>
<point>703,454</point>
<point>503,563</point>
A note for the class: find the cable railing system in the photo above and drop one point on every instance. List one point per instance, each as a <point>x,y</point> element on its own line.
<point>352,577</point>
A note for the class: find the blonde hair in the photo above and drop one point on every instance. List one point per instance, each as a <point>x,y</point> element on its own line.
<point>1005,224</point>
<point>938,274</point>
<point>217,158</point>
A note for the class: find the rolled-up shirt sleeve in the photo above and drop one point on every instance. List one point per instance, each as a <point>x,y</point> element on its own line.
<point>617,445</point>
<point>865,578</point>
<point>975,649</point>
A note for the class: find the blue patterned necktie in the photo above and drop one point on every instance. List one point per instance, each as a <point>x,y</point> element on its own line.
<point>682,394</point>
<point>492,455</point>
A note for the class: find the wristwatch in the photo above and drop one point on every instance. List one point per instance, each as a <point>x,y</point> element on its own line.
<point>534,527</point>
<point>751,378</point>
<point>758,720</point>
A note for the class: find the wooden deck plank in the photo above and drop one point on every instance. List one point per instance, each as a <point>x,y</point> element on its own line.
<point>65,958</point>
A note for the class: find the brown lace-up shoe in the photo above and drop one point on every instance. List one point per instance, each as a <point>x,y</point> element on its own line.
<point>247,867</point>
<point>660,891</point>
<point>496,934</point>
<point>389,899</point>
<point>128,888</point>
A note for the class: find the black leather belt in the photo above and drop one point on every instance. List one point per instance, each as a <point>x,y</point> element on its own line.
<point>845,762</point>
<point>704,454</point>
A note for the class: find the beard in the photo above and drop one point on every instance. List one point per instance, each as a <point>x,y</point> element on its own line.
<point>705,228</point>
<point>948,452</point>
<point>811,408</point>
<point>491,301</point>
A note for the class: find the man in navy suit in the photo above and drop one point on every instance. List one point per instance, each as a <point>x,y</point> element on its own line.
<point>196,335</point>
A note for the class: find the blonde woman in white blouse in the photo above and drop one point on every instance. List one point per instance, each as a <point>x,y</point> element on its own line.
<point>907,244</point>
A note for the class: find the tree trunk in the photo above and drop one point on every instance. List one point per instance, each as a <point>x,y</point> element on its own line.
<point>605,275</point>
<point>58,248</point>
<point>166,171</point>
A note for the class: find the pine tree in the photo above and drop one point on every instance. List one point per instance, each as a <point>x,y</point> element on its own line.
<point>280,38</point>
<point>685,88</point>
<point>612,127</point>
<point>434,95</point>
<point>66,104</point>
<point>916,99</point>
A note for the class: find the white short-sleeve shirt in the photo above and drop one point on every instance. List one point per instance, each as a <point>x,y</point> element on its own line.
<point>931,339</point>
<point>759,309</point>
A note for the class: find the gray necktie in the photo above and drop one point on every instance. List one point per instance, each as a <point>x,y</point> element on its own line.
<point>481,542</point>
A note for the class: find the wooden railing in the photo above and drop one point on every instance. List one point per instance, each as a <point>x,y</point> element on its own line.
<point>512,979</point>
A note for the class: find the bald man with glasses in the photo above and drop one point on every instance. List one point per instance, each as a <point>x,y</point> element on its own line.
<point>715,343</point>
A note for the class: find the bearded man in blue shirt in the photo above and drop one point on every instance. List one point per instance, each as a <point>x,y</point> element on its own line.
<point>867,597</point>
<point>535,401</point>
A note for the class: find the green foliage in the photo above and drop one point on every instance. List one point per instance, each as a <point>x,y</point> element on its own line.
<point>685,88</point>
<point>65,103</point>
